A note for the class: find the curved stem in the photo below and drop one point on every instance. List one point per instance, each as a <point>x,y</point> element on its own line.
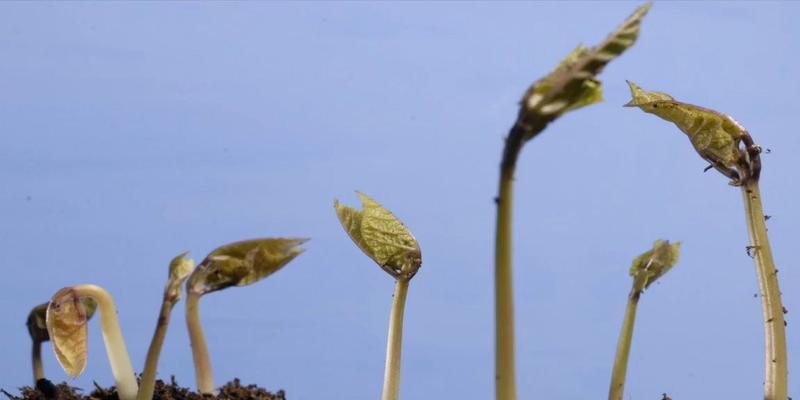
<point>394,343</point>
<point>36,357</point>
<point>202,362</point>
<point>776,375</point>
<point>505,383</point>
<point>118,357</point>
<point>148,379</point>
<point>623,348</point>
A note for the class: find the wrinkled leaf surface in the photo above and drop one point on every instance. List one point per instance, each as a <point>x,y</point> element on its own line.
<point>381,236</point>
<point>714,135</point>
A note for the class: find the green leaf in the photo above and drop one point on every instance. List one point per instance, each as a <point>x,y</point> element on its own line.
<point>714,135</point>
<point>573,83</point>
<point>654,263</point>
<point>179,269</point>
<point>67,327</point>
<point>381,236</point>
<point>243,263</point>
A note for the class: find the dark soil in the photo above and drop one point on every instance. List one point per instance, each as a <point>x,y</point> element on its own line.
<point>234,390</point>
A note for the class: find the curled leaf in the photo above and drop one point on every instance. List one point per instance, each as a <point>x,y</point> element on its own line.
<point>654,263</point>
<point>179,269</point>
<point>37,319</point>
<point>573,83</point>
<point>66,320</point>
<point>714,135</point>
<point>381,236</point>
<point>243,263</point>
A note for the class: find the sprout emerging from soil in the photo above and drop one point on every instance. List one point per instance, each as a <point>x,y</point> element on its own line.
<point>67,318</point>
<point>730,149</point>
<point>571,85</point>
<point>236,264</point>
<point>384,239</point>
<point>37,328</point>
<point>646,269</point>
<point>179,269</point>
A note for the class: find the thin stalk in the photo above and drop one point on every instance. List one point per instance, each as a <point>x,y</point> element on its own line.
<point>148,379</point>
<point>394,343</point>
<point>776,375</point>
<point>121,366</point>
<point>36,356</point>
<point>505,382</point>
<point>623,348</point>
<point>202,362</point>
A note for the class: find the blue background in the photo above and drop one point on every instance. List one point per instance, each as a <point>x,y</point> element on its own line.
<point>130,132</point>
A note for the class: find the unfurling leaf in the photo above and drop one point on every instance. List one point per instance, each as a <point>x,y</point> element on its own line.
<point>573,83</point>
<point>714,135</point>
<point>652,264</point>
<point>179,269</point>
<point>243,263</point>
<point>67,319</point>
<point>381,236</point>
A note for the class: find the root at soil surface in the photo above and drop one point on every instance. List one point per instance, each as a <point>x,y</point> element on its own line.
<point>234,390</point>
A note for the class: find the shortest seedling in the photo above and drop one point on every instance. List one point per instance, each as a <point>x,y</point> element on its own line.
<point>646,269</point>
<point>236,264</point>
<point>37,328</point>
<point>67,318</point>
<point>384,239</point>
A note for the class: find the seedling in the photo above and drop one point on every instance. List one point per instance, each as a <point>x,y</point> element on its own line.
<point>235,264</point>
<point>572,85</point>
<point>37,328</point>
<point>730,149</point>
<point>384,239</point>
<point>646,269</point>
<point>67,318</point>
<point>179,269</point>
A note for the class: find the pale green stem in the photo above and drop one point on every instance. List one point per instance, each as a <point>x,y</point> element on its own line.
<point>121,366</point>
<point>776,375</point>
<point>148,379</point>
<point>623,348</point>
<point>36,356</point>
<point>505,384</point>
<point>394,343</point>
<point>202,362</point>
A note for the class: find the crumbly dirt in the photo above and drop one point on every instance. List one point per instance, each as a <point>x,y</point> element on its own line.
<point>234,390</point>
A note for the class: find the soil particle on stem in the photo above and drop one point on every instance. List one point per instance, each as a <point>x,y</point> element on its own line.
<point>234,390</point>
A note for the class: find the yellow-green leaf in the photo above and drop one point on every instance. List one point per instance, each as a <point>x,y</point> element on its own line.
<point>67,326</point>
<point>179,269</point>
<point>654,263</point>
<point>573,83</point>
<point>243,263</point>
<point>381,236</point>
<point>714,135</point>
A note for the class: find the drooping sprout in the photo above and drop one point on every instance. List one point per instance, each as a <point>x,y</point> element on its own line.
<point>646,269</point>
<point>236,264</point>
<point>384,239</point>
<point>37,328</point>
<point>571,85</point>
<point>730,149</point>
<point>67,318</point>
<point>179,269</point>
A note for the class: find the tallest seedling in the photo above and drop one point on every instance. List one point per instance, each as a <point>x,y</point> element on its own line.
<point>728,148</point>
<point>571,85</point>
